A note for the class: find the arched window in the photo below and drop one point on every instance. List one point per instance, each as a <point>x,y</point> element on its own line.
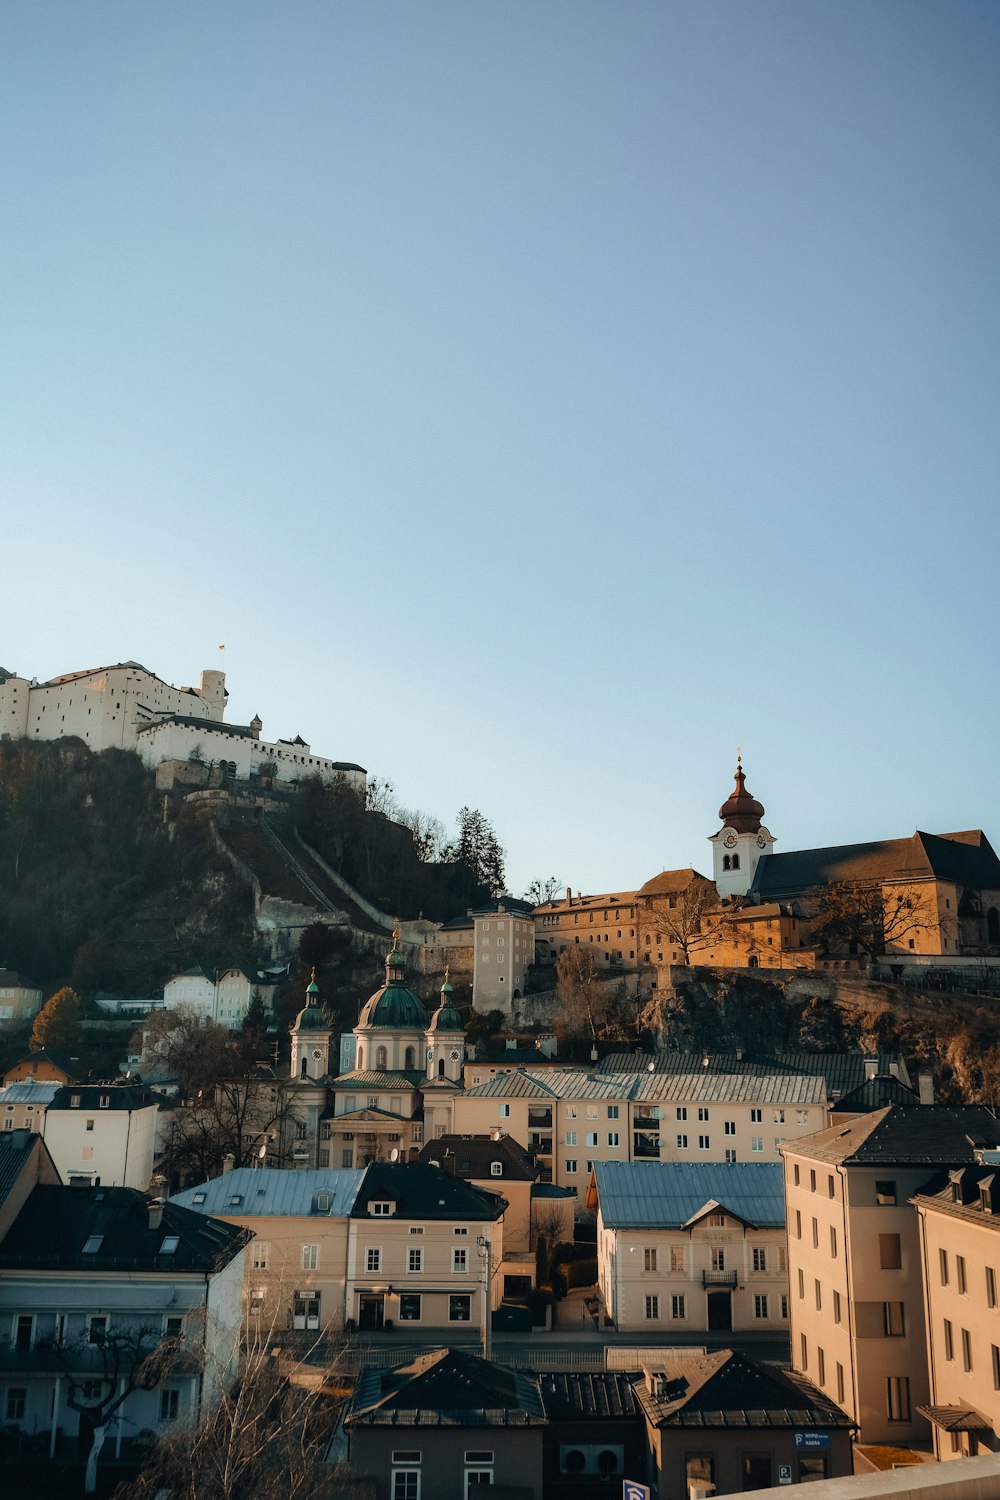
<point>753,961</point>
<point>993,925</point>
<point>736,861</point>
<point>441,1068</point>
<point>381,1059</point>
<point>303,1067</point>
<point>727,863</point>
<point>410,1060</point>
<point>361,1059</point>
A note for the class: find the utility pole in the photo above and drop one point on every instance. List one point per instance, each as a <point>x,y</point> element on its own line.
<point>486,1255</point>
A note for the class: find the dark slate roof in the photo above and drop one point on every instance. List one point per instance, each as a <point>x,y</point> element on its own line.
<point>726,1389</point>
<point>420,1191</point>
<point>55,1224</point>
<point>11,979</point>
<point>971,1193</point>
<point>904,1135</point>
<point>447,1388</point>
<point>128,1096</point>
<point>473,1156</point>
<point>511,906</point>
<point>665,1195</point>
<point>842,1070</point>
<point>966,858</point>
<point>876,1093</point>
<point>16,1147</point>
<point>605,1393</point>
<point>59,1060</point>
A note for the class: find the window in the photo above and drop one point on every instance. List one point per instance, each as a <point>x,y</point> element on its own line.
<point>702,1112</point>
<point>898,1398</point>
<point>173,1326</point>
<point>960,1274</point>
<point>815,1225</point>
<point>756,1143</point>
<point>682,1141</point>
<point>889,1257</point>
<point>818,1294</point>
<point>682,1113</point>
<point>570,1164</point>
<point>380,1210</point>
<point>729,1127</point>
<point>652,1308</point>
<point>478,1467</point>
<point>97,1327</point>
<point>803,1351</point>
<point>802,1282</point>
<point>591,1137</point>
<point>170,1402</point>
<point>310,1257</point>
<point>885,1193</point>
<point>784,1305</point>
<point>505,1111</point>
<point>496,1168</point>
<point>730,1155</point>
<point>409,1307</point>
<point>571,1137</point>
<point>677,1257</point>
<point>718,1258</point>
<point>760,1259</point>
<point>833,1241</point>
<point>760,1306</point>
<point>24,1329</point>
<point>649,1259</point>
<point>829,1186</point>
<point>943,1266</point>
<point>893,1320</point>
<point>821,1365</point>
<point>798,1225</point>
<point>966,1349</point>
<point>995,1357</point>
<point>17,1402</point>
<point>704,1143</point>
<point>416,1229</point>
<point>405,1480</point>
<point>415,1261</point>
<point>93,1244</point>
<point>459,1261</point>
<point>90,1125</point>
<point>836,1307</point>
<point>991,1287</point>
<point>795,1172</point>
<point>373,1260</point>
<point>756,1117</point>
<point>678,1308</point>
<point>460,1308</point>
<point>613,1138</point>
<point>612,1111</point>
<point>460,1229</point>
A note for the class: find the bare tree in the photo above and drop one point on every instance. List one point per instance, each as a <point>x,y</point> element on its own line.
<point>104,1370</point>
<point>690,917</point>
<point>590,1004</point>
<point>867,916</point>
<point>541,891</point>
<point>244,1118</point>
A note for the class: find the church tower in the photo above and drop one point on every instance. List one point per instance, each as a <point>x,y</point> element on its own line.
<point>311,1034</point>
<point>445,1039</point>
<point>741,841</point>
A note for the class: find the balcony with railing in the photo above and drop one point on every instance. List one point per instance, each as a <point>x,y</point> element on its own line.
<point>720,1278</point>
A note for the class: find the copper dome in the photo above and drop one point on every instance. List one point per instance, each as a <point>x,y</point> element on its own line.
<point>740,810</point>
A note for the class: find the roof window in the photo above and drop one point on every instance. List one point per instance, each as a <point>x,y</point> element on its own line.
<point>169,1245</point>
<point>198,1198</point>
<point>93,1244</point>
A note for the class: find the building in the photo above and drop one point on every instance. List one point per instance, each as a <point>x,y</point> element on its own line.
<point>79,1324</point>
<point>104,1133</point>
<point>445,1426</point>
<point>296,1265</point>
<point>20,1000</point>
<point>496,1163</point>
<point>223,997</point>
<point>595,1435</point>
<point>425,1249</point>
<point>721,1424</point>
<point>854,1257</point>
<point>503,949</point>
<point>41,1067</point>
<point>572,1118</point>
<point>127,707</point>
<point>608,923</point>
<point>23,1105</point>
<point>691,1247</point>
<point>960,1254</point>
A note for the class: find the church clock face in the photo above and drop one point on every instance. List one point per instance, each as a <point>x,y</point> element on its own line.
<point>317,1054</point>
<point>730,841</point>
<point>761,841</point>
<point>455,1056</point>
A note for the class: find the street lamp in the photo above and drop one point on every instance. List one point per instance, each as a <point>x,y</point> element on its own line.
<point>486,1255</point>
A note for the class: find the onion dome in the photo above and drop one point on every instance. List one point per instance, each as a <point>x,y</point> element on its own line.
<point>394,1005</point>
<point>446,1017</point>
<point>312,1017</point>
<point>740,810</point>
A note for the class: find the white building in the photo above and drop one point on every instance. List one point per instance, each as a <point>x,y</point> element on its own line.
<point>104,1134</point>
<point>127,707</point>
<point>224,999</point>
<point>692,1248</point>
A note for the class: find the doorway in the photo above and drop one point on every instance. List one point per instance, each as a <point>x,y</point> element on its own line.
<point>720,1312</point>
<point>371,1313</point>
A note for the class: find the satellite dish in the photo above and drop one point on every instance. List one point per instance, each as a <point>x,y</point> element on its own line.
<point>262,1153</point>
<point>651,1068</point>
<point>394,1154</point>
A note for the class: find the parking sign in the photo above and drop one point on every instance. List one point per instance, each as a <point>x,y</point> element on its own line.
<point>633,1491</point>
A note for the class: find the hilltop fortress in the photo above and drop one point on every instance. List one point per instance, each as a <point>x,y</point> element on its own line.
<point>127,707</point>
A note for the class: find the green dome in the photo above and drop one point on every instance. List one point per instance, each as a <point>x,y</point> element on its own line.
<point>311,1018</point>
<point>394,1006</point>
<point>446,1018</point>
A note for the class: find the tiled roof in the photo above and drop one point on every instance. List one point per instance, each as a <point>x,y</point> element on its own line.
<point>901,1135</point>
<point>447,1388</point>
<point>275,1192</point>
<point>966,857</point>
<point>726,1389</point>
<point>56,1223</point>
<point>420,1191</point>
<point>606,1393</point>
<point>669,882</point>
<point>584,903</point>
<point>384,1082</point>
<point>667,1195</point>
<point>876,1093</point>
<point>472,1156</point>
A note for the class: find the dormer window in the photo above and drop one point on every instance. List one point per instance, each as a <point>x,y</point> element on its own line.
<point>496,1168</point>
<point>380,1210</point>
<point>105,1101</point>
<point>74,1101</point>
<point>323,1201</point>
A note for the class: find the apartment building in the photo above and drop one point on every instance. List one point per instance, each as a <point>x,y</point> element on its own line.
<point>959,1219</point>
<point>854,1257</point>
<point>691,1248</point>
<point>574,1118</point>
<point>503,948</point>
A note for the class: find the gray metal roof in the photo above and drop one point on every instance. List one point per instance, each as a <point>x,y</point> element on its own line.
<point>667,1195</point>
<point>27,1091</point>
<point>274,1192</point>
<point>700,1087</point>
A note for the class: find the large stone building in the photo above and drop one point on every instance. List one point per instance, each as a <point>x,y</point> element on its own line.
<point>127,707</point>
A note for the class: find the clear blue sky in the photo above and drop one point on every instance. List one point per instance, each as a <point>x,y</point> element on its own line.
<point>538,400</point>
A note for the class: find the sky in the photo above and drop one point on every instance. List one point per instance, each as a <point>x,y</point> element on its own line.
<point>536,402</point>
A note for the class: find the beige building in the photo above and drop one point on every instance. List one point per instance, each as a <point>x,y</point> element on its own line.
<point>296,1264</point>
<point>607,923</point>
<point>691,1248</point>
<point>960,1245</point>
<point>19,999</point>
<point>572,1119</point>
<point>503,948</point>
<point>23,1105</point>
<point>854,1257</point>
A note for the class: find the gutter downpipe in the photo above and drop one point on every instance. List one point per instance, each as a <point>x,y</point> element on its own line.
<point>850,1298</point>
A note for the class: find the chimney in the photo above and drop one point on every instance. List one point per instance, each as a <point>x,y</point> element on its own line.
<point>228,1162</point>
<point>925,1088</point>
<point>871,1065</point>
<point>569,895</point>
<point>155,1213</point>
